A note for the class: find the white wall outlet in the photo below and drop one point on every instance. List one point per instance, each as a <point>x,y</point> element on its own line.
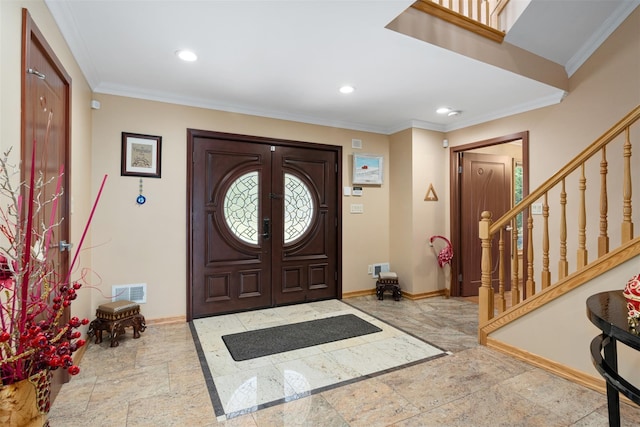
<point>357,208</point>
<point>370,269</point>
<point>536,208</point>
<point>380,267</point>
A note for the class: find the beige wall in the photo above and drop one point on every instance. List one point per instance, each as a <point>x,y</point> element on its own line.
<point>81,186</point>
<point>605,89</point>
<point>401,208</point>
<point>560,331</point>
<point>430,167</point>
<point>147,244</point>
<point>418,160</point>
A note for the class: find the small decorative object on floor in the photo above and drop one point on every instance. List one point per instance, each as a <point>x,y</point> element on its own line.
<point>632,295</point>
<point>388,281</point>
<point>113,317</point>
<point>444,257</point>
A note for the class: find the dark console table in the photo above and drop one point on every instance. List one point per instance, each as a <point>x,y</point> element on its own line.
<point>608,311</point>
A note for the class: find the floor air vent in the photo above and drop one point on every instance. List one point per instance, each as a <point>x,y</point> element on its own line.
<point>136,293</point>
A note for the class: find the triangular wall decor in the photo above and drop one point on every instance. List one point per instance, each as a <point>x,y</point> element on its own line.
<point>431,195</point>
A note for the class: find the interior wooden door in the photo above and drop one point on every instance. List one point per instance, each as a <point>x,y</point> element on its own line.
<point>45,120</point>
<point>264,223</point>
<point>486,186</point>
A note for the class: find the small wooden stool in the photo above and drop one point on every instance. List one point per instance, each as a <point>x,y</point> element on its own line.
<point>388,281</point>
<point>113,317</point>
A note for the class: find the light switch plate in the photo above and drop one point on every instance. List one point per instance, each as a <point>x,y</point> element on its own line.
<point>357,208</point>
<point>536,208</point>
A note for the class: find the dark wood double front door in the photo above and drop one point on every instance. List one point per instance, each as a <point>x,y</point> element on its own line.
<point>264,223</point>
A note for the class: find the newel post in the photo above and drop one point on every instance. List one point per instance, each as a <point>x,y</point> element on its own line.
<point>485,295</point>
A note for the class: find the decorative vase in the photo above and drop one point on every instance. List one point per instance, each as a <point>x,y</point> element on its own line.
<point>632,294</point>
<point>26,403</point>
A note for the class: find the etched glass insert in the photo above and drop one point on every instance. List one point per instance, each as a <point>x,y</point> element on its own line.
<point>298,208</point>
<point>241,207</point>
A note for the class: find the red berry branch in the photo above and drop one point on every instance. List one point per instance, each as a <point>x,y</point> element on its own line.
<point>34,297</point>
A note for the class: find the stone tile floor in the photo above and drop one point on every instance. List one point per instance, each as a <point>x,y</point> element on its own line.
<point>157,381</point>
<point>244,386</point>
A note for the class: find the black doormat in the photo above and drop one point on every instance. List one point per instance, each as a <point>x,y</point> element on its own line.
<point>264,342</point>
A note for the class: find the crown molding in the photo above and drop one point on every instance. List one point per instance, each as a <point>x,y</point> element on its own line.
<point>598,37</point>
<point>63,13</point>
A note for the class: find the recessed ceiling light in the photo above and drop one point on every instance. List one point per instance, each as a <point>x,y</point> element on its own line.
<point>454,113</point>
<point>186,55</point>
<point>347,89</point>
<point>443,110</point>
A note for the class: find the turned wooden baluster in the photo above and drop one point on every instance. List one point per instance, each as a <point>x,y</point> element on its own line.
<point>515,282</point>
<point>531,283</point>
<point>485,293</point>
<point>627,224</point>
<point>546,274</point>
<point>502,304</point>
<point>582,221</point>
<point>487,19</point>
<point>563,265</point>
<point>603,239</point>
<point>487,14</point>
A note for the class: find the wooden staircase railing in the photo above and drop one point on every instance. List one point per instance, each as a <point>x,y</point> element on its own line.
<point>537,232</point>
<point>478,16</point>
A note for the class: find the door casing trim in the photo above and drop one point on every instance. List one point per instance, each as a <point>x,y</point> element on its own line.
<point>456,182</point>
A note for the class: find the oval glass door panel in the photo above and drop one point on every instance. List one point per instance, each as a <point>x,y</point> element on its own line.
<point>298,208</point>
<point>241,208</point>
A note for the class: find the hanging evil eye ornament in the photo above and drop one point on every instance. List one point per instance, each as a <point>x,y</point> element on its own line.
<point>140,200</point>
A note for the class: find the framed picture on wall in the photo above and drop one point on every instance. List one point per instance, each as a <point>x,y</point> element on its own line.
<point>367,169</point>
<point>140,155</point>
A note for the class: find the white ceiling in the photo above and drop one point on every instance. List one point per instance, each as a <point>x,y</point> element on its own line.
<point>568,31</point>
<point>286,59</point>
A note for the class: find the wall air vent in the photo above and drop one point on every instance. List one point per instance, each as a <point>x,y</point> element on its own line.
<point>135,292</point>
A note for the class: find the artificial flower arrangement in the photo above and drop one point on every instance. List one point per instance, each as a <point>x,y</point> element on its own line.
<point>35,336</point>
<point>632,294</point>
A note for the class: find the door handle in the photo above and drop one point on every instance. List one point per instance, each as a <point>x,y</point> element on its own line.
<point>64,246</point>
<point>266,228</point>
